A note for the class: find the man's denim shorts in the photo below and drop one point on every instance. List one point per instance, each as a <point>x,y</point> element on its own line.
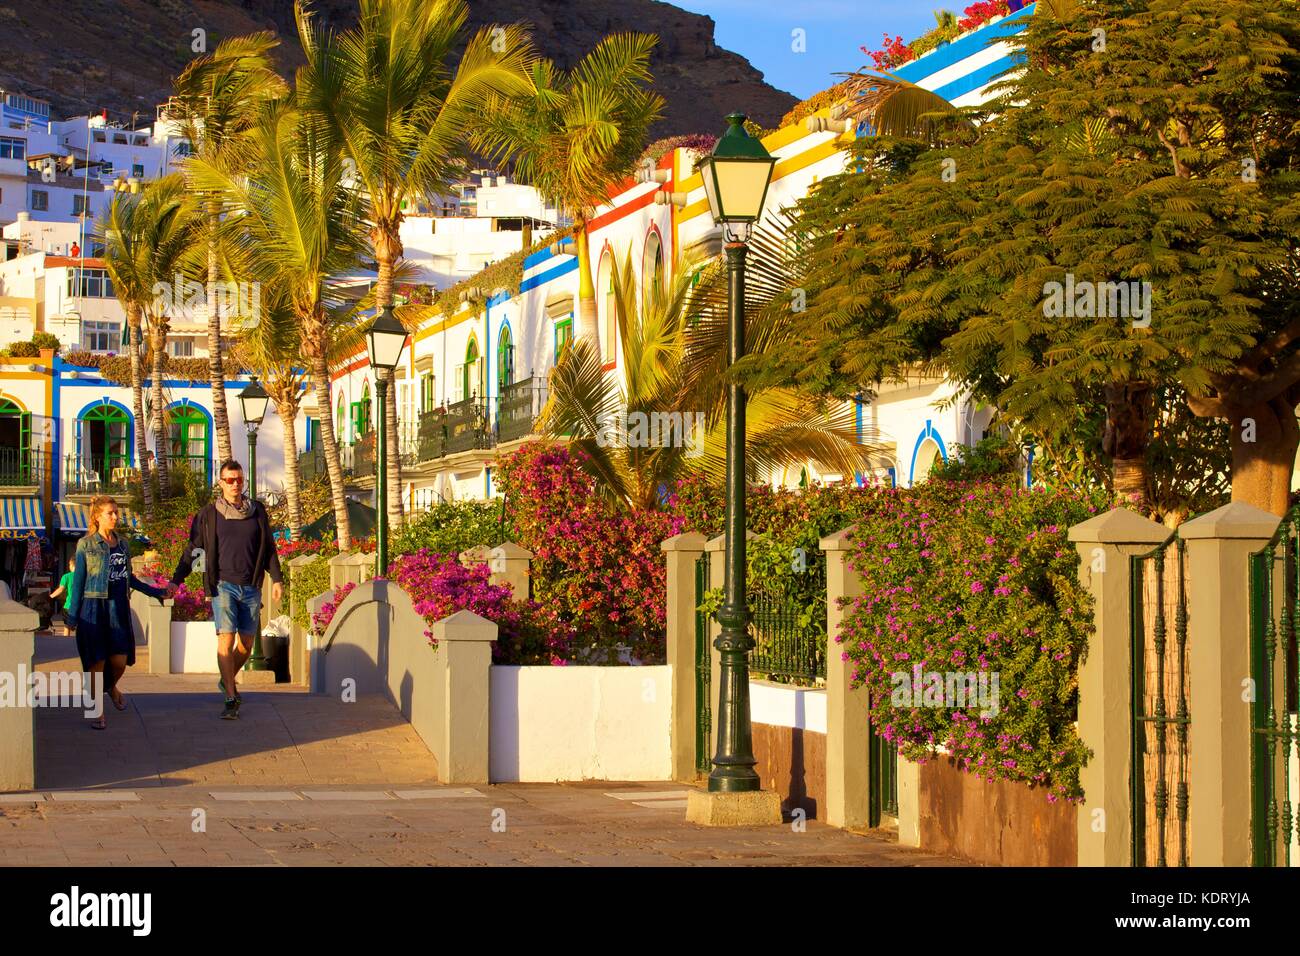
<point>235,608</point>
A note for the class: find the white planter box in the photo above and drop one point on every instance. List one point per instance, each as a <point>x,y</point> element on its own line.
<point>194,647</point>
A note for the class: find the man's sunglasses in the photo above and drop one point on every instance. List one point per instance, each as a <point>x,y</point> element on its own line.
<point>233,481</point>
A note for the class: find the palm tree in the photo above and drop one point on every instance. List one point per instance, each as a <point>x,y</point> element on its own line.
<point>219,95</point>
<point>148,238</point>
<point>293,223</point>
<point>675,347</point>
<point>575,135</point>
<point>270,349</point>
<point>403,114</point>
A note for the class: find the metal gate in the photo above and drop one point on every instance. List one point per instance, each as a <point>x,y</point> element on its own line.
<point>1160,706</point>
<point>703,672</point>
<point>883,771</point>
<point>1275,743</point>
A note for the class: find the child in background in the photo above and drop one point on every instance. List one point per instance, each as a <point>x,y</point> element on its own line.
<point>65,585</point>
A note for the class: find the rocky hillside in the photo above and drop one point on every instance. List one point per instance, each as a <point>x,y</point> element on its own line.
<point>120,55</point>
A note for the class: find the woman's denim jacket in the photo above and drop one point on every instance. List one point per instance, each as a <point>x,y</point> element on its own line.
<point>90,576</point>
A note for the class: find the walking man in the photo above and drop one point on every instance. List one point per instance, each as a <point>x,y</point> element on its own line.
<point>232,544</point>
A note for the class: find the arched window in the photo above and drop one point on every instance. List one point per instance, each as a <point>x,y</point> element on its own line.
<point>189,439</point>
<point>606,308</point>
<point>103,441</point>
<point>15,441</point>
<point>362,412</point>
<point>469,383</point>
<point>505,359</point>
<point>653,267</point>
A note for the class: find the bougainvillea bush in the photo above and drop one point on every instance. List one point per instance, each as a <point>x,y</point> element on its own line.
<point>439,585</point>
<point>190,601</point>
<point>971,578</point>
<point>596,562</point>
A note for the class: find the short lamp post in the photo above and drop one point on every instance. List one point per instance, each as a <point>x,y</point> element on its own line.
<point>253,401</point>
<point>736,178</point>
<point>385,339</point>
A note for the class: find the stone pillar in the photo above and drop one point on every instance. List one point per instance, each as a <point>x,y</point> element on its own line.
<point>465,662</point>
<point>351,568</point>
<point>682,551</point>
<point>1219,545</point>
<point>510,564</point>
<point>299,652</point>
<point>848,718</point>
<point>18,626</point>
<point>312,670</point>
<point>1105,544</point>
<point>157,621</point>
<point>909,802</point>
<point>479,554</point>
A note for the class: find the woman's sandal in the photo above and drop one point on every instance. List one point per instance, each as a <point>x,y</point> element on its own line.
<point>100,724</point>
<point>117,698</point>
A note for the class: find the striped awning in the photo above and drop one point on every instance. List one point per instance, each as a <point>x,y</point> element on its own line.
<point>21,514</point>
<point>73,518</point>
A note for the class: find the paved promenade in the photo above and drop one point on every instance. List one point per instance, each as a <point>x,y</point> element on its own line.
<point>306,780</point>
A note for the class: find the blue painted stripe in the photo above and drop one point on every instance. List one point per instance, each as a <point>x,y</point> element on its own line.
<point>978,78</point>
<point>545,277</point>
<point>72,517</point>
<point>952,53</point>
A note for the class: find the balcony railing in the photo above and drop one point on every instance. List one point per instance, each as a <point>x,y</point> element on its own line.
<point>518,406</point>
<point>357,460</point>
<point>19,467</point>
<point>82,476</point>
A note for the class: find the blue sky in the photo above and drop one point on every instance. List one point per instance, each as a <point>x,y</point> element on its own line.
<point>762,31</point>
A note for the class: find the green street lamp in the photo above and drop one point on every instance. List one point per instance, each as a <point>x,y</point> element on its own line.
<point>385,339</point>
<point>736,178</point>
<point>253,401</point>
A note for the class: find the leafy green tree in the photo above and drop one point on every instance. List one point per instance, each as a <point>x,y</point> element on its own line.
<point>1146,143</point>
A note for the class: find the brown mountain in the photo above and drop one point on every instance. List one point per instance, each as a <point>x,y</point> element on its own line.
<point>120,55</point>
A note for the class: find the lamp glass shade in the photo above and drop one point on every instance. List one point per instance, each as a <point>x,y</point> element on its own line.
<point>253,400</point>
<point>736,175</point>
<point>386,339</point>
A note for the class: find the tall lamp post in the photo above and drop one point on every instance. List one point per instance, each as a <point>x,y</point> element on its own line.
<point>253,401</point>
<point>736,178</point>
<point>386,338</point>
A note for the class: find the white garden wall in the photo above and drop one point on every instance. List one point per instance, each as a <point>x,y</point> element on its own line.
<point>580,723</point>
<point>785,706</point>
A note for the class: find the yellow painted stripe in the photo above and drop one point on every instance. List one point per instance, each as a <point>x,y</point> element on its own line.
<point>784,168</point>
<point>451,323</point>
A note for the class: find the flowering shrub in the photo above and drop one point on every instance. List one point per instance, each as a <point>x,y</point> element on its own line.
<point>191,602</point>
<point>440,585</point>
<point>894,54</point>
<point>982,11</point>
<point>974,578</point>
<point>598,564</point>
<point>320,621</point>
<point>451,527</point>
<point>326,549</point>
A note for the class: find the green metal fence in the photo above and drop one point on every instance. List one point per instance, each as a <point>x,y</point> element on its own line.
<point>1275,743</point>
<point>1161,715</point>
<point>884,779</point>
<point>703,671</point>
<point>789,632</point>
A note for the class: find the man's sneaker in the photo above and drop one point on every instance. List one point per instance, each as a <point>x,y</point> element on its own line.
<point>231,711</point>
<point>221,686</point>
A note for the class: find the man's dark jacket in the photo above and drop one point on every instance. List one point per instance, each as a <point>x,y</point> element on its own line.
<point>203,534</point>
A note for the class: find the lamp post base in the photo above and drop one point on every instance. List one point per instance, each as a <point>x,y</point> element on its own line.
<point>751,808</point>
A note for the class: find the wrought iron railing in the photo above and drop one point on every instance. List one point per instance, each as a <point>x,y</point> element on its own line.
<point>466,426</point>
<point>518,406</point>
<point>363,456</point>
<point>82,476</point>
<point>1275,705</point>
<point>1159,697</point>
<point>785,646</point>
<point>21,467</point>
<point>311,464</point>
<point>431,435</point>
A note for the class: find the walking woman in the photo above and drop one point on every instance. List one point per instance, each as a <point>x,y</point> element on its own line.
<point>98,603</point>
